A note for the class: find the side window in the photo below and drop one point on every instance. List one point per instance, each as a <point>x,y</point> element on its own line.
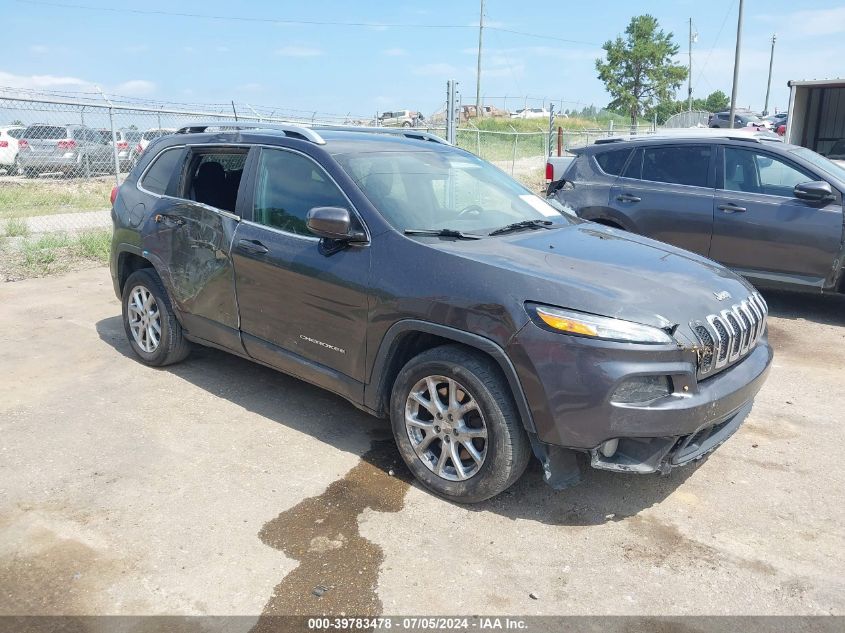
<point>161,171</point>
<point>288,186</point>
<point>682,165</point>
<point>79,134</point>
<point>214,177</point>
<point>752,172</point>
<point>16,133</point>
<point>612,162</point>
<point>635,166</point>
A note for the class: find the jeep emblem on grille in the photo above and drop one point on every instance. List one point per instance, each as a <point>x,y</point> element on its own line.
<point>722,295</point>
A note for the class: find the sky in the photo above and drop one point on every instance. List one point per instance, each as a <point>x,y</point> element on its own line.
<point>399,54</point>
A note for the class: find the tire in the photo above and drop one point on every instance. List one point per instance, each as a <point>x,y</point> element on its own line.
<point>504,452</point>
<point>29,172</point>
<point>171,346</point>
<point>406,124</point>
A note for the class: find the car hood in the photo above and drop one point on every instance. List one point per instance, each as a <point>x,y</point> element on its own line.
<point>607,271</point>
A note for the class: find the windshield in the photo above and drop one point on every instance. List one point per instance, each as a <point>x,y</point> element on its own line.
<point>444,190</point>
<point>821,162</point>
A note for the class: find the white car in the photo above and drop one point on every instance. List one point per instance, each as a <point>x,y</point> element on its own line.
<point>9,148</point>
<point>150,135</point>
<point>531,113</point>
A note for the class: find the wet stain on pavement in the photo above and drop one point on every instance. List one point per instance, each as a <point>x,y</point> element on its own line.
<point>338,568</point>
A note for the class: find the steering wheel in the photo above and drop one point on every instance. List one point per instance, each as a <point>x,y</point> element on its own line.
<point>472,209</point>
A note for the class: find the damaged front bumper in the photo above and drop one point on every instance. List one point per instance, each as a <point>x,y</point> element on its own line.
<point>574,410</point>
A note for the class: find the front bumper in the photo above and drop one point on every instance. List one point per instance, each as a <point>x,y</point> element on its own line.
<point>569,383</point>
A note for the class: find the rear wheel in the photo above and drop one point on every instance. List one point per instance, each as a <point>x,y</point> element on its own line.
<point>151,326</point>
<point>456,425</point>
<point>29,172</point>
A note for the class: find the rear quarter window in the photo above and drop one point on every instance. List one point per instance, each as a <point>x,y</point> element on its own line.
<point>45,132</point>
<point>612,162</point>
<point>158,176</point>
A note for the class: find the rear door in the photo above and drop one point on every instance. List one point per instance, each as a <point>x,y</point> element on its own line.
<point>302,309</point>
<point>666,192</point>
<point>762,230</point>
<point>189,235</point>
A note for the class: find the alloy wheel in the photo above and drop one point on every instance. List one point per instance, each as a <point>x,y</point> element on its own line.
<point>144,319</point>
<point>446,428</point>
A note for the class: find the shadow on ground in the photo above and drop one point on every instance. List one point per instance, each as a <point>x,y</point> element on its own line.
<point>824,309</point>
<point>599,498</point>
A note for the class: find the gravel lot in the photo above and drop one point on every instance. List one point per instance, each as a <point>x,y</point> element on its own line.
<point>221,487</point>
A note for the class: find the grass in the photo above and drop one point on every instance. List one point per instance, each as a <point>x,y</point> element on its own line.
<point>48,196</point>
<point>53,253</point>
<point>16,227</point>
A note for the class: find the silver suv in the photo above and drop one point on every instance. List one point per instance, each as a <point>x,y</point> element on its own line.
<point>73,149</point>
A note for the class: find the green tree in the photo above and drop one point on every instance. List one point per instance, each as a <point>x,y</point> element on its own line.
<point>716,102</point>
<point>638,71</point>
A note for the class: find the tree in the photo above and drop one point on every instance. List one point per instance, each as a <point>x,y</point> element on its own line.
<point>716,102</point>
<point>639,72</point>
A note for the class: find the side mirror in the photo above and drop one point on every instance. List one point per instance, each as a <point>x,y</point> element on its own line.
<point>333,223</point>
<point>817,191</point>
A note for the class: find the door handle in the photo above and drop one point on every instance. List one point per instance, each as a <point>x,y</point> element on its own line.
<point>626,197</point>
<point>732,208</point>
<point>254,247</point>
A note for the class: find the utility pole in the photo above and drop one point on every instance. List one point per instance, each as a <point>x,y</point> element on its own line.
<point>769,84</point>
<point>736,65</point>
<point>478,70</point>
<point>689,74</point>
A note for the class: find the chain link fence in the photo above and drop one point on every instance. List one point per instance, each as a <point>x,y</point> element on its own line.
<point>62,156</point>
<point>691,118</point>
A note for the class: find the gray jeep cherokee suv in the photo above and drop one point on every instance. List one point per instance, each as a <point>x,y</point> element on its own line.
<point>424,285</point>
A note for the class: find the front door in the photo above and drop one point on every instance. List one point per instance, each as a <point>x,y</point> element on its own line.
<point>762,230</point>
<point>666,192</point>
<point>302,308</point>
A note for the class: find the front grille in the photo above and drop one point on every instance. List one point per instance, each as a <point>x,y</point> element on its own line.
<point>729,335</point>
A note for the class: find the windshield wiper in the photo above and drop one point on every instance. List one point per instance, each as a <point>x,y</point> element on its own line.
<point>518,226</point>
<point>444,233</point>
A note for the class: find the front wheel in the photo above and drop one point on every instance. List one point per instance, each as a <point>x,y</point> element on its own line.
<point>151,326</point>
<point>456,425</point>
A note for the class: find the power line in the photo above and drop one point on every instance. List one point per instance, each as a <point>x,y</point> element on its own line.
<point>301,22</point>
<point>712,48</point>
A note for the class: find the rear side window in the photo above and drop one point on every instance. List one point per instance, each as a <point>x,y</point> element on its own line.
<point>46,132</point>
<point>16,133</point>
<point>158,176</point>
<point>612,162</point>
<point>214,178</point>
<point>684,165</point>
<point>288,187</point>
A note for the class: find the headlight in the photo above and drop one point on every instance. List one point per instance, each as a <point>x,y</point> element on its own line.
<point>590,325</point>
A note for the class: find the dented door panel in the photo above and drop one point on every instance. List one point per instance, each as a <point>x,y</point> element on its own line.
<point>193,243</point>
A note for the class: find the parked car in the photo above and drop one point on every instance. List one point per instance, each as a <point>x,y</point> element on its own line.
<point>127,141</point>
<point>423,284</point>
<point>531,113</point>
<point>400,118</point>
<point>72,149</point>
<point>9,136</point>
<point>776,120</point>
<point>741,119</point>
<point>769,210</point>
<point>151,135</point>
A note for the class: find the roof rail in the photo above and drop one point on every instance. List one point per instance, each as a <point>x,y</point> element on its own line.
<point>395,131</point>
<point>290,129</point>
<point>735,134</point>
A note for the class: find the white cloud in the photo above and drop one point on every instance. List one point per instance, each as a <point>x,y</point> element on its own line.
<point>42,82</point>
<point>299,51</point>
<point>135,87</point>
<point>436,69</point>
<point>395,52</point>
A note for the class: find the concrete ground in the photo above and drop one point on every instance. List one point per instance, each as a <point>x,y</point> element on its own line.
<point>220,487</point>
